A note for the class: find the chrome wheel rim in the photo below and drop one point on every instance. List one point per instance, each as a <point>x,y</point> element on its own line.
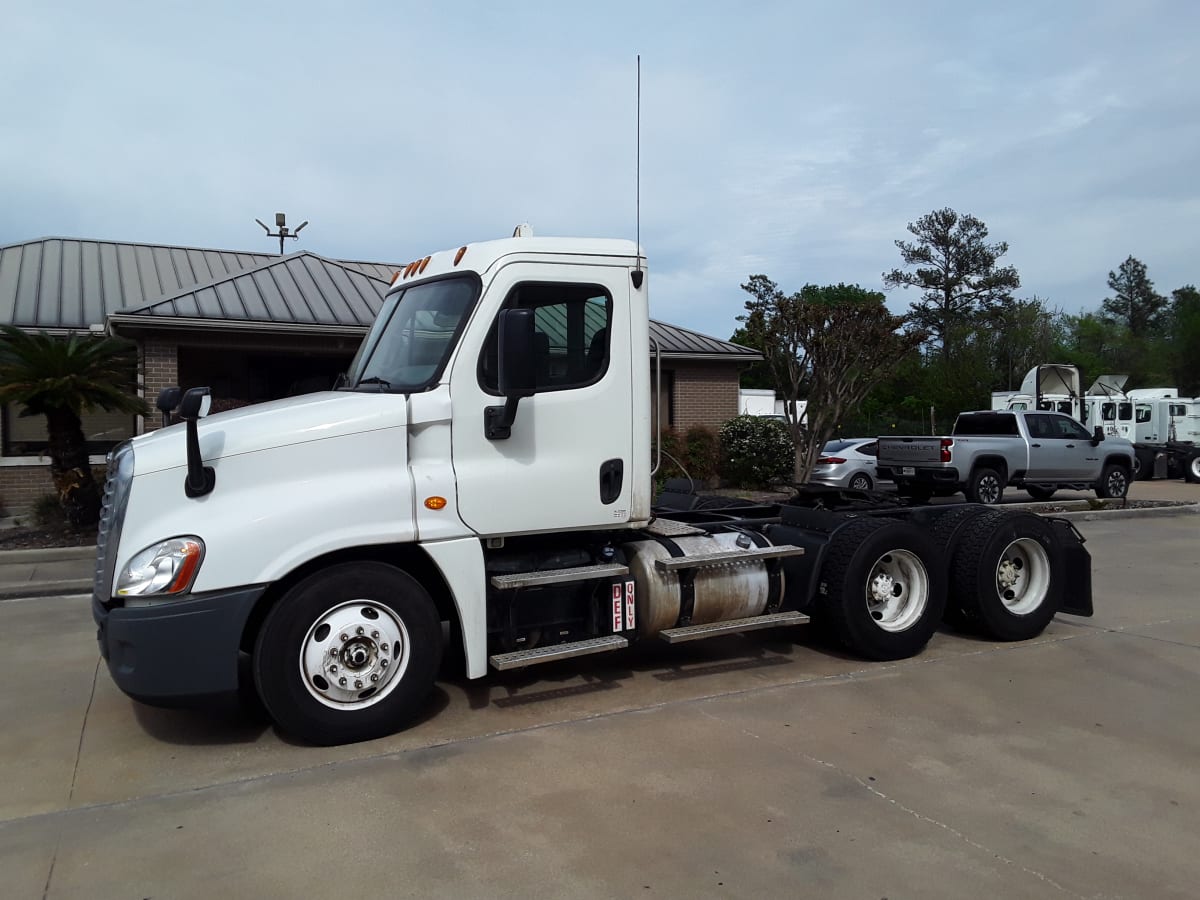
<point>897,590</point>
<point>1195,465</point>
<point>1117,483</point>
<point>354,655</point>
<point>860,483</point>
<point>989,489</point>
<point>1023,576</point>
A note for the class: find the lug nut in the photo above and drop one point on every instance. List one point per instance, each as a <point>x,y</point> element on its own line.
<point>333,669</point>
<point>375,676</point>
<point>345,637</point>
<point>384,663</point>
<point>383,648</point>
<point>342,681</point>
<point>358,630</point>
<point>375,635</point>
<point>358,682</point>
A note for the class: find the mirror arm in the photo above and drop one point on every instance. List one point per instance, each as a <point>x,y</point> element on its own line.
<point>498,420</point>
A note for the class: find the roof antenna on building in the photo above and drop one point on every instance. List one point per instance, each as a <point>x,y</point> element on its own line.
<point>281,224</point>
<point>637,275</point>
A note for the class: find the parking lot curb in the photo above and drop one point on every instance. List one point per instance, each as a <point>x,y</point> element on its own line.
<point>1090,515</point>
<point>50,554</point>
<point>29,589</point>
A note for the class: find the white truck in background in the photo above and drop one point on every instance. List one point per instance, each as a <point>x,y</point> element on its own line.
<point>485,473</point>
<point>1163,427</point>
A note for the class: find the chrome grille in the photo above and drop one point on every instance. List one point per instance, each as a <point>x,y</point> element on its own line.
<point>112,516</point>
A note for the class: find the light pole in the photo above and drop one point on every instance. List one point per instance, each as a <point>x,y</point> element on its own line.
<point>281,224</point>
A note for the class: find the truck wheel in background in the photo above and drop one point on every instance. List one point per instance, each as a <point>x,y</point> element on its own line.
<point>986,486</point>
<point>1040,493</point>
<point>882,588</point>
<point>947,532</point>
<point>860,482</point>
<point>1003,575</point>
<point>1114,482</point>
<point>1143,464</point>
<point>348,654</point>
<point>1191,469</point>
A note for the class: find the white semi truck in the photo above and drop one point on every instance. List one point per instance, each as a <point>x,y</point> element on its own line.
<point>1163,427</point>
<point>485,473</point>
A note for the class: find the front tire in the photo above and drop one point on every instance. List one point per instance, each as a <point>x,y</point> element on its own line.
<point>1003,576</point>
<point>1113,483</point>
<point>348,654</point>
<point>882,589</point>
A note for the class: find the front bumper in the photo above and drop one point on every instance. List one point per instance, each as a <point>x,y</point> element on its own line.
<point>178,653</point>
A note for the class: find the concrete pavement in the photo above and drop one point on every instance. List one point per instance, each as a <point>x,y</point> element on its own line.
<point>761,765</point>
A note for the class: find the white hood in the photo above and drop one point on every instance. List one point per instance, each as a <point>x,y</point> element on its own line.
<point>295,420</point>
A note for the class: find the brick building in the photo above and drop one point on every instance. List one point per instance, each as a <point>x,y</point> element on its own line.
<point>253,327</point>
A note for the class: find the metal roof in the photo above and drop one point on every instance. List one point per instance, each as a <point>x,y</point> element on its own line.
<point>680,342</point>
<point>59,284</point>
<point>298,289</point>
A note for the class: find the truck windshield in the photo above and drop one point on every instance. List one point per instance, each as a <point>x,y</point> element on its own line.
<point>407,347</point>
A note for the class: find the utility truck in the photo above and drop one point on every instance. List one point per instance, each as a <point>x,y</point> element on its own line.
<point>482,484</point>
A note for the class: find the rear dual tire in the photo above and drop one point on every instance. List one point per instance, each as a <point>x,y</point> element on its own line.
<point>882,589</point>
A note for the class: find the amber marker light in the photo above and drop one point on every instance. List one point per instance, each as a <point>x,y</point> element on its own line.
<point>459,255</point>
<point>395,278</point>
<point>435,502</point>
<point>424,263</point>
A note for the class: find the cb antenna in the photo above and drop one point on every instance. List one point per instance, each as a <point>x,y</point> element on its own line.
<point>638,274</point>
<point>283,232</point>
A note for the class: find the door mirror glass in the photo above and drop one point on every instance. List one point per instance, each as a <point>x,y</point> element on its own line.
<point>515,357</point>
<point>1097,434</point>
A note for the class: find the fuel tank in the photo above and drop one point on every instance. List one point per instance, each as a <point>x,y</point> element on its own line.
<point>721,593</point>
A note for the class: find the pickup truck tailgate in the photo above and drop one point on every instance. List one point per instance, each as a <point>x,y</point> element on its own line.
<point>907,451</point>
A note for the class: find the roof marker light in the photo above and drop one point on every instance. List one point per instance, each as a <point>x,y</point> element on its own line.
<point>459,255</point>
<point>424,263</point>
<point>395,277</point>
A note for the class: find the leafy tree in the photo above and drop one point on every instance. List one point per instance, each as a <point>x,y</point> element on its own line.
<point>956,270</point>
<point>1022,334</point>
<point>1185,339</point>
<point>827,344</point>
<point>60,379</point>
<point>1134,304</point>
<point>756,375</point>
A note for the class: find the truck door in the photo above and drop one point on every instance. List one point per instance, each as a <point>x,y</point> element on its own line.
<point>1070,455</point>
<point>567,461</point>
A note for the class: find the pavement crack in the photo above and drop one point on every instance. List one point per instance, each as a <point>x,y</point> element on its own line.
<point>74,776</point>
<point>872,789</point>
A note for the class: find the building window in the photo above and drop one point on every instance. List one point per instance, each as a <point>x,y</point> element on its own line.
<point>26,435</point>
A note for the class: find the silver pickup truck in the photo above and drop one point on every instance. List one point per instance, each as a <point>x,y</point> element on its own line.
<point>1038,451</point>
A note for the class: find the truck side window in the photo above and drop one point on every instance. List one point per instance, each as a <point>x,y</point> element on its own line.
<point>1142,413</point>
<point>1108,411</point>
<point>1124,411</point>
<point>571,335</point>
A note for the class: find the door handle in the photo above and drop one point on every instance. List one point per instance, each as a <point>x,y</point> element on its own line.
<point>1035,445</point>
<point>1071,446</point>
<point>612,476</point>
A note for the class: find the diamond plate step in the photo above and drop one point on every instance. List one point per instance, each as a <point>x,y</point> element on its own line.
<point>672,528</point>
<point>558,576</point>
<point>727,558</point>
<point>732,626</point>
<point>522,658</point>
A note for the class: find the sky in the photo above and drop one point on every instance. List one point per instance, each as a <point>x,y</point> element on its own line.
<point>789,139</point>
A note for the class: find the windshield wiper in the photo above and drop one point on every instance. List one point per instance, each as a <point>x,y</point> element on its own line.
<point>375,379</point>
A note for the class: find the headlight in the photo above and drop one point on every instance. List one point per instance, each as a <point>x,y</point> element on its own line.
<point>168,567</point>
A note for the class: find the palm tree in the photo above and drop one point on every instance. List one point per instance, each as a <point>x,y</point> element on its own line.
<point>60,379</point>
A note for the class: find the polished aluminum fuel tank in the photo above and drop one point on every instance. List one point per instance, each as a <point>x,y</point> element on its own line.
<point>721,593</point>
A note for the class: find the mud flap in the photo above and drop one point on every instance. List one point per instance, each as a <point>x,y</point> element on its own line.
<point>1076,569</point>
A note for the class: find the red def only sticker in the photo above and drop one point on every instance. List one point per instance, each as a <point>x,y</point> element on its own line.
<point>617,608</point>
<point>630,621</point>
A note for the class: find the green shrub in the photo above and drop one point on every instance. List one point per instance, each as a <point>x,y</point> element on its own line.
<point>695,455</point>
<point>48,512</point>
<point>756,452</point>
